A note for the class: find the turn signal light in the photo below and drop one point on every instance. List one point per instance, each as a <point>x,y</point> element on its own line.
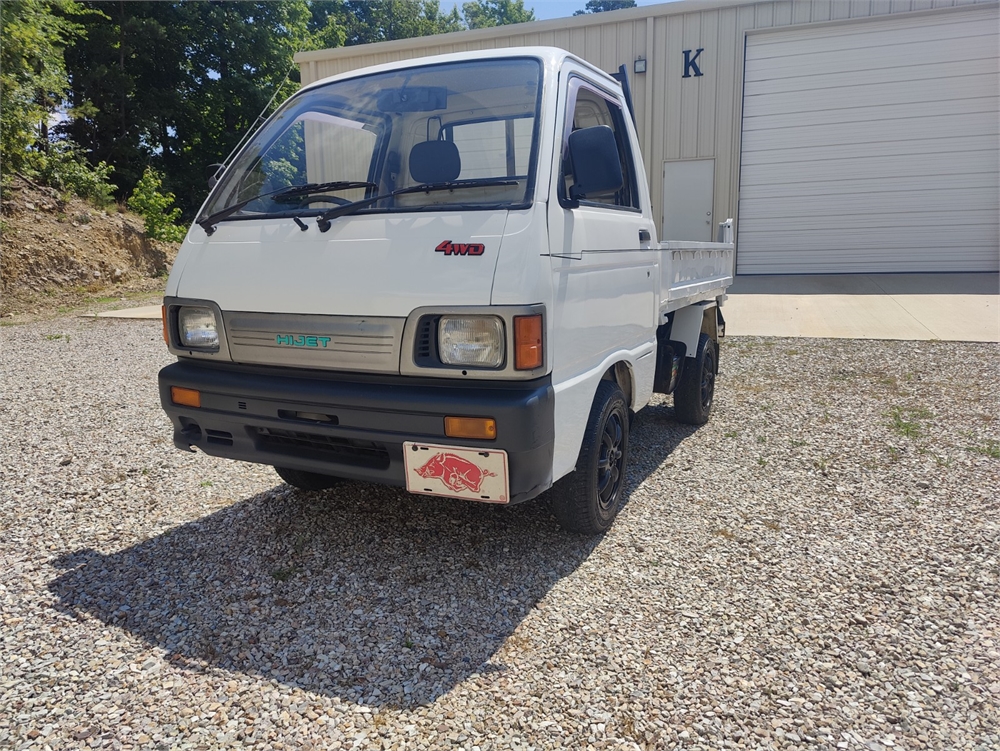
<point>527,342</point>
<point>483,428</point>
<point>185,397</point>
<point>163,315</point>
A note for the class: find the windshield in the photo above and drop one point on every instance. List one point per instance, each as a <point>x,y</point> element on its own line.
<point>474,122</point>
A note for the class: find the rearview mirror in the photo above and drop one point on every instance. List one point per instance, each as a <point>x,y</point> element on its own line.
<point>413,99</point>
<point>597,170</point>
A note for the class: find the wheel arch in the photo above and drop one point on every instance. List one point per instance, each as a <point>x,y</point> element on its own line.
<point>623,374</point>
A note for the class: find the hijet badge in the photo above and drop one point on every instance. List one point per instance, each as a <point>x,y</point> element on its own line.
<point>472,474</point>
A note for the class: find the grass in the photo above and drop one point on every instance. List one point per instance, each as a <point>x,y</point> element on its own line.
<point>730,434</point>
<point>206,484</point>
<point>283,574</point>
<point>907,422</point>
<point>56,337</point>
<point>991,449</point>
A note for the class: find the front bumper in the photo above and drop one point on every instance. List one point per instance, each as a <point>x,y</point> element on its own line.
<point>352,425</point>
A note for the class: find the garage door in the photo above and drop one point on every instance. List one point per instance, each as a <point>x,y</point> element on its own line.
<point>872,147</point>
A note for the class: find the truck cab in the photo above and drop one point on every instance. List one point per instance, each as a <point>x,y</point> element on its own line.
<point>441,274</point>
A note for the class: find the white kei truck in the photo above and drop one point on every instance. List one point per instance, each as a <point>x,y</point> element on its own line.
<point>442,274</point>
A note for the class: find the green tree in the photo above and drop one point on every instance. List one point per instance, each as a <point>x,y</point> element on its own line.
<point>484,14</point>
<point>600,6</point>
<point>128,79</point>
<point>156,208</point>
<point>177,84</point>
<point>33,79</point>
<point>367,21</point>
<point>327,27</point>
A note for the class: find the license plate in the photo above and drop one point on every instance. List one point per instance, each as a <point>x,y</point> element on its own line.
<point>472,474</point>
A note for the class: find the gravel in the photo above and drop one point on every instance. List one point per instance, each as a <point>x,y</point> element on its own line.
<point>816,568</point>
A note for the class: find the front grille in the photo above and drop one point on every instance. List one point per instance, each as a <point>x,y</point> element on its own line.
<point>328,448</point>
<point>356,343</point>
<point>425,344</point>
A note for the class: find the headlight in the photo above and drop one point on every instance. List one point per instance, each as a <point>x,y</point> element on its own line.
<point>197,328</point>
<point>477,341</point>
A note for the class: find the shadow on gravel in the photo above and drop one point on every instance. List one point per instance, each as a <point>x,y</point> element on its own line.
<point>361,592</point>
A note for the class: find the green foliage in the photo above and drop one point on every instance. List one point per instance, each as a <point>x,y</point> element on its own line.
<point>156,208</point>
<point>64,166</point>
<point>176,85</point>
<point>990,448</point>
<point>366,21</point>
<point>906,422</point>
<point>600,6</point>
<point>33,78</point>
<point>484,14</point>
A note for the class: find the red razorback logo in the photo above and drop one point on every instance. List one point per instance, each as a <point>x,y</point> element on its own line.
<point>460,249</point>
<point>456,473</point>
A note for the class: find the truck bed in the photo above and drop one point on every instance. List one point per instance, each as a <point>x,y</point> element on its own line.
<point>693,271</point>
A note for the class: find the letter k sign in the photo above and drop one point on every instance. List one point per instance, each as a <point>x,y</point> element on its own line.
<point>691,63</point>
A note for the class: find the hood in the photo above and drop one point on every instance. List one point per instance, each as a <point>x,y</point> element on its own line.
<point>365,265</point>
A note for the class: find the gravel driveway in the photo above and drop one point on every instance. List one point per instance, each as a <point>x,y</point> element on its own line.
<point>816,568</point>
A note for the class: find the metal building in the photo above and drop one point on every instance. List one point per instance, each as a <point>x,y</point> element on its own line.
<point>843,136</point>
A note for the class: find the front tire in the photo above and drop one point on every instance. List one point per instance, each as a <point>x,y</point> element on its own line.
<point>695,393</point>
<point>587,501</point>
<point>306,480</point>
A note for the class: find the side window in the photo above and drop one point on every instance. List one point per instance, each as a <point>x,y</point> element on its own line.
<point>591,108</point>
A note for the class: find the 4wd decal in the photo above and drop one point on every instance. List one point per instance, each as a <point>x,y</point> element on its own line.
<point>460,249</point>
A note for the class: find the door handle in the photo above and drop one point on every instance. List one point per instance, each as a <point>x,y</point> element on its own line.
<point>644,236</point>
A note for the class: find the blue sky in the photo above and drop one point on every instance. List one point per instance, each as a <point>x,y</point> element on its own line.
<point>545,9</point>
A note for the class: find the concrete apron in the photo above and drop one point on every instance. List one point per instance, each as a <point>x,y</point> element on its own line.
<point>949,307</point>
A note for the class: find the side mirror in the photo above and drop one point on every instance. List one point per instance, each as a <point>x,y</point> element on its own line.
<point>597,169</point>
<point>214,173</point>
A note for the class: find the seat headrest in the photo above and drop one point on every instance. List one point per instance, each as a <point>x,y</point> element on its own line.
<point>435,162</point>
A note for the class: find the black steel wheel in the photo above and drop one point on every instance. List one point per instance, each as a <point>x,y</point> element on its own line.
<point>588,499</point>
<point>306,480</point>
<point>695,392</point>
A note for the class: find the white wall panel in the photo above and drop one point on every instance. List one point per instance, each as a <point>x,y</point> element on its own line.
<point>872,146</point>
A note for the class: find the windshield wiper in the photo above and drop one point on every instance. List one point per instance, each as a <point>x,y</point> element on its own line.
<point>312,188</point>
<point>324,219</point>
<point>208,223</point>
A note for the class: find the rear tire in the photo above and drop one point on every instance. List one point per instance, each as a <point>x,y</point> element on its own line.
<point>588,499</point>
<point>695,392</point>
<point>306,480</point>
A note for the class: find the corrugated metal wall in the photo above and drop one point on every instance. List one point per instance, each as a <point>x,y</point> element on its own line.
<point>678,118</point>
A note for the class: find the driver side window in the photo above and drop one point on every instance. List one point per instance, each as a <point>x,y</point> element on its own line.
<point>590,108</point>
